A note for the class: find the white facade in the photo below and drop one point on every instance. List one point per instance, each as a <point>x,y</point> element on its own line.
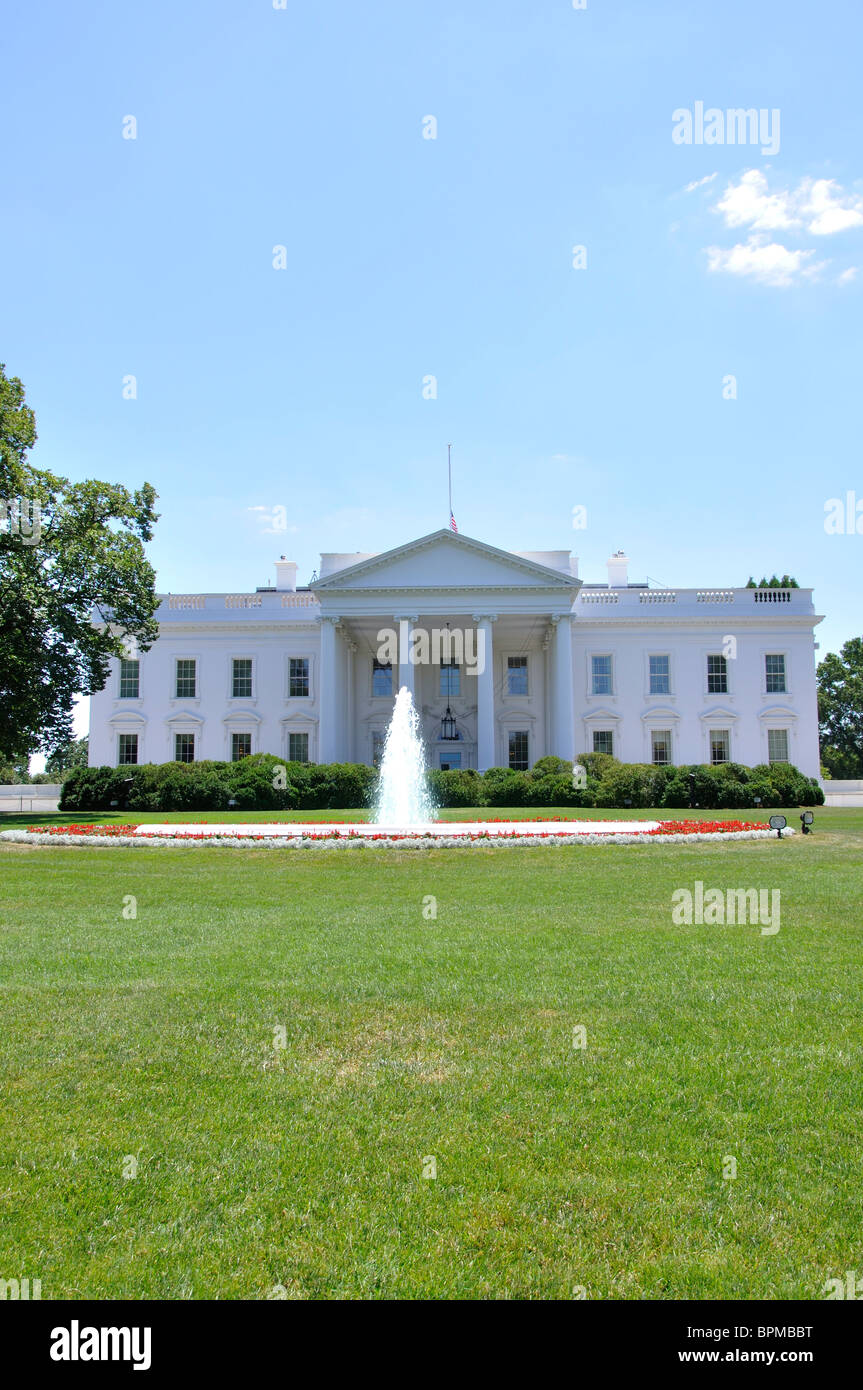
<point>680,675</point>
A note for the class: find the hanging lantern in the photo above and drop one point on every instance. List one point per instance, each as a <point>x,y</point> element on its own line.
<point>448,730</point>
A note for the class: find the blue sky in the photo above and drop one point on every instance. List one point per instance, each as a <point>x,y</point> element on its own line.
<point>408,257</point>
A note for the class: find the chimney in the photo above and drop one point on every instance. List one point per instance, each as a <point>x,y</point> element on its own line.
<point>618,567</point>
<point>286,574</point>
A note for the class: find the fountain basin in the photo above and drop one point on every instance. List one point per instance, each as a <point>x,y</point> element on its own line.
<point>361,829</point>
<point>360,834</point>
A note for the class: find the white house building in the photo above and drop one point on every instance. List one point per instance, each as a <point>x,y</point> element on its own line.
<point>509,657</point>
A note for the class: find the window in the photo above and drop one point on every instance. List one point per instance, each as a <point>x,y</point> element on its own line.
<point>241,682</point>
<point>660,675</point>
<point>184,748</point>
<point>450,679</point>
<point>603,741</point>
<point>720,745</point>
<point>777,745</point>
<point>717,675</point>
<point>241,747</point>
<point>774,671</point>
<point>450,761</point>
<point>298,677</point>
<point>378,740</point>
<point>518,749</point>
<point>516,676</point>
<point>187,681</point>
<point>127,748</point>
<point>382,677</point>
<point>298,748</point>
<point>130,679</point>
<point>660,746</point>
<point>600,675</point>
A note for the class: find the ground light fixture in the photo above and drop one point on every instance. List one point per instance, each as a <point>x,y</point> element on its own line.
<point>777,823</point>
<point>806,819</point>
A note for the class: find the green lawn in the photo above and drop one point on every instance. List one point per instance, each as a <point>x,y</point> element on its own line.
<point>409,1038</point>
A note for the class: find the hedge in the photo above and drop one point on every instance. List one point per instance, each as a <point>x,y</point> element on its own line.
<point>266,783</point>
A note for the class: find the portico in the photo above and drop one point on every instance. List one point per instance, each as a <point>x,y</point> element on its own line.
<point>502,620</point>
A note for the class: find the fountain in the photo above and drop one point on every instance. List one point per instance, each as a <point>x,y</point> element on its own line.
<point>405,811</point>
<point>403,797</point>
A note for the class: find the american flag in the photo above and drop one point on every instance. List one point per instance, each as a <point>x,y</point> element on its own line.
<point>452,525</point>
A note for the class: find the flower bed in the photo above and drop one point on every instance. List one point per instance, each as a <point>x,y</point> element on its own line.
<point>358,835</point>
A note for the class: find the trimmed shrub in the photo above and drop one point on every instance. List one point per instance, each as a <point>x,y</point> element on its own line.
<point>552,767</point>
<point>458,787</point>
<point>597,764</point>
<point>502,786</point>
<point>557,790</point>
<point>641,784</point>
<point>263,783</point>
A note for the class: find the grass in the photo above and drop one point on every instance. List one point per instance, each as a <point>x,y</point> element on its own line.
<point>409,1037</point>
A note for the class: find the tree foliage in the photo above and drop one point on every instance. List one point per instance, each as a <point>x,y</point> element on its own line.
<point>786,582</point>
<point>840,710</point>
<point>67,755</point>
<point>75,584</point>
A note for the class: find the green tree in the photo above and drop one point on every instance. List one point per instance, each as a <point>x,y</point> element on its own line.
<point>75,583</point>
<point>14,769</point>
<point>66,756</point>
<point>786,582</point>
<point>840,710</point>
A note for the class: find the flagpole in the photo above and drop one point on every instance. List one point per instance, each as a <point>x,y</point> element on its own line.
<point>449,471</point>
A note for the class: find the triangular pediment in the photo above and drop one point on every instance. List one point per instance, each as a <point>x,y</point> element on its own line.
<point>717,715</point>
<point>445,560</point>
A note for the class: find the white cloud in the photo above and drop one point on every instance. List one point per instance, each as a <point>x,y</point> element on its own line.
<point>769,262</point>
<point>699,183</point>
<point>830,213</point>
<point>848,275</point>
<point>818,206</point>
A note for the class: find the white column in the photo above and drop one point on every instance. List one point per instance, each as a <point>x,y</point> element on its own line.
<point>405,631</point>
<point>328,728</point>
<point>562,704</point>
<point>485,691</point>
<point>350,704</point>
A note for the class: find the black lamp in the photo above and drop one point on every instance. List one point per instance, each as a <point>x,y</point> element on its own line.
<point>806,818</point>
<point>448,730</point>
<point>777,823</point>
